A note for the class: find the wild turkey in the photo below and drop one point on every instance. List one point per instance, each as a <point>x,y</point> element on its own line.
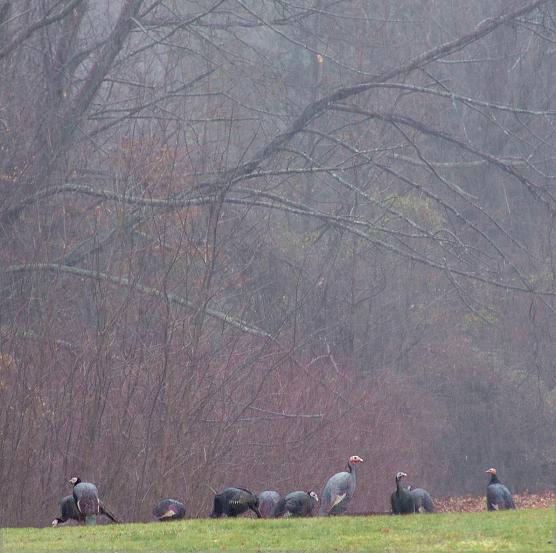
<point>498,496</point>
<point>68,511</point>
<point>234,501</point>
<point>401,499</point>
<point>104,510</point>
<point>169,509</point>
<point>86,498</point>
<point>267,501</point>
<point>421,500</point>
<point>339,489</point>
<point>296,504</point>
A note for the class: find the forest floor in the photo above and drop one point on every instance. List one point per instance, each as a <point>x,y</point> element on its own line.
<point>466,504</point>
<point>523,530</point>
<point>473,504</point>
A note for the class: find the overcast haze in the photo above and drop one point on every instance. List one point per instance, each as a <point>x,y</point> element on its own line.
<point>242,240</point>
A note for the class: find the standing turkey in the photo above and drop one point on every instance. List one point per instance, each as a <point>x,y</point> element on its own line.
<point>339,489</point>
<point>498,496</point>
<point>68,511</point>
<point>422,500</point>
<point>234,501</point>
<point>296,504</point>
<point>401,499</point>
<point>267,502</point>
<point>86,498</point>
<point>169,509</point>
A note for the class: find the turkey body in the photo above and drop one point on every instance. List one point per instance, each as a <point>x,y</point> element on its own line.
<point>233,502</point>
<point>401,499</point>
<point>498,496</point>
<point>339,489</point>
<point>68,511</point>
<point>296,504</point>
<point>267,502</point>
<point>169,509</point>
<point>86,498</point>
<point>422,500</point>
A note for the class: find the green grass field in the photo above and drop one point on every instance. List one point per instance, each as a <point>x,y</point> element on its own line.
<point>521,530</point>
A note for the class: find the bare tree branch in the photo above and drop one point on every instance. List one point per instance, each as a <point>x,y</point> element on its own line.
<point>120,281</point>
<point>315,109</point>
<point>45,21</point>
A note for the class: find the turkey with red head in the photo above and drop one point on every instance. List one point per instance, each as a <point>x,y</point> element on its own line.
<point>498,496</point>
<point>339,489</point>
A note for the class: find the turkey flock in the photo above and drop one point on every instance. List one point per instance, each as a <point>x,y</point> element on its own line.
<point>84,504</point>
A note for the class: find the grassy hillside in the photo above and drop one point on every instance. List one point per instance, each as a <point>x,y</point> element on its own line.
<point>522,530</point>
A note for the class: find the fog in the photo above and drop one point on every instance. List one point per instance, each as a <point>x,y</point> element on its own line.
<point>242,240</point>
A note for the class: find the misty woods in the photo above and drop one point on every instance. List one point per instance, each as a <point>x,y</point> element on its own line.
<point>240,240</point>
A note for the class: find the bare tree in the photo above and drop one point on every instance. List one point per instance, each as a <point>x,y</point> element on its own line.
<point>234,232</point>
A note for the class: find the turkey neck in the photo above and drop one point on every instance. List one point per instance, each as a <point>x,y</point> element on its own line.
<point>494,479</point>
<point>399,486</point>
<point>353,470</point>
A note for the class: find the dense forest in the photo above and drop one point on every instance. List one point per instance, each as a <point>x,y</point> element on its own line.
<point>242,240</point>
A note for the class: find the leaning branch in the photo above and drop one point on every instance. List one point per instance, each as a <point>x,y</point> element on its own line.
<point>315,109</point>
<point>359,228</point>
<point>452,96</point>
<point>124,282</point>
<point>540,192</point>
